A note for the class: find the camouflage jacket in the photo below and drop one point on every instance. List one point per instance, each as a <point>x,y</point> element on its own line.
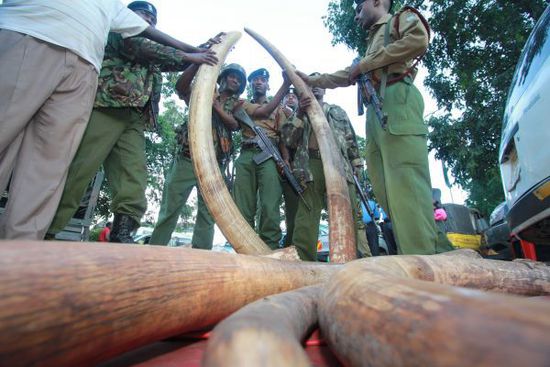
<point>131,74</point>
<point>223,140</point>
<point>298,136</point>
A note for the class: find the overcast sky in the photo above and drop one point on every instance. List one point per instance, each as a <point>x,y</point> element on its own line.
<point>296,28</point>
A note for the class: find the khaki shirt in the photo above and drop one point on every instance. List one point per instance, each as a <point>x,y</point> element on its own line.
<point>411,42</point>
<point>271,125</point>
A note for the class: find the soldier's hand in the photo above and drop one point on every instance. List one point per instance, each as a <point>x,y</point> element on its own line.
<point>205,57</point>
<point>305,102</point>
<point>216,103</point>
<point>238,105</point>
<point>354,72</point>
<point>213,41</point>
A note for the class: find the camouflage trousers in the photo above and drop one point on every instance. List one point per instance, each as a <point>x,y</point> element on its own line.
<point>306,224</point>
<point>114,137</point>
<point>180,181</point>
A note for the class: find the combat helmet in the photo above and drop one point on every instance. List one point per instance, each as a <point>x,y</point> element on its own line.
<point>239,70</point>
<point>143,6</point>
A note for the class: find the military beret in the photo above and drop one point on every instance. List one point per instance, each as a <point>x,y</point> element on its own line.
<point>292,90</point>
<point>315,73</point>
<point>144,6</point>
<point>257,73</point>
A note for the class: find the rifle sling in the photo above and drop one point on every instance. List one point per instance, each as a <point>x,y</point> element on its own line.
<point>384,79</point>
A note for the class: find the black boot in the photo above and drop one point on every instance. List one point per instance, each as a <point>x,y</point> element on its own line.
<point>123,229</point>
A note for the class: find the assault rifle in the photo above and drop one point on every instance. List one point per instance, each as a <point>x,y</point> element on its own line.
<point>363,197</point>
<point>269,151</point>
<point>366,94</point>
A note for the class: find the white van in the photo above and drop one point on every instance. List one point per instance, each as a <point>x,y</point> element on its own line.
<point>524,155</point>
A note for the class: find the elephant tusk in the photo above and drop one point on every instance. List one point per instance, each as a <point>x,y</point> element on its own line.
<point>341,226</point>
<point>212,185</point>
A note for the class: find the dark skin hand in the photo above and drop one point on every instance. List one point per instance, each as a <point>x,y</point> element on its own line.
<point>227,119</point>
<point>205,57</point>
<point>354,73</point>
<point>212,41</point>
<point>266,109</point>
<point>305,102</point>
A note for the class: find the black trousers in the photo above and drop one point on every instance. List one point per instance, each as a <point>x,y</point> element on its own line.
<point>387,232</point>
<point>372,238</point>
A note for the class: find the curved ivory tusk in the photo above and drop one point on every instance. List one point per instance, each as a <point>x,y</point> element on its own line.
<point>411,311</point>
<point>216,196</point>
<point>342,232</point>
<point>268,332</point>
<point>77,304</point>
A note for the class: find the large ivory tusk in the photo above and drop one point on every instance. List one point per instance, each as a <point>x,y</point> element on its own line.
<point>375,317</point>
<point>342,232</point>
<point>216,196</point>
<point>461,268</point>
<point>268,332</point>
<point>74,304</point>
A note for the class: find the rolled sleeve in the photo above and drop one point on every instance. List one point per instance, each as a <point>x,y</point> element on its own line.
<point>128,23</point>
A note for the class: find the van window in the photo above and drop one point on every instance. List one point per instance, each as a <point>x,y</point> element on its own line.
<point>535,53</point>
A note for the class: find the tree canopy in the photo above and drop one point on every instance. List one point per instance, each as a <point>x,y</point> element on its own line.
<point>471,61</point>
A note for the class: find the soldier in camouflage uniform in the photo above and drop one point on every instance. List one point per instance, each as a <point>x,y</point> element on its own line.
<point>181,179</point>
<point>126,101</point>
<point>290,109</point>
<point>308,169</point>
<point>261,184</point>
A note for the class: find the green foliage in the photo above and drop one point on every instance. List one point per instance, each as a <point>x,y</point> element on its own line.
<point>160,147</point>
<point>340,23</point>
<point>103,207</point>
<point>471,60</point>
<point>94,234</point>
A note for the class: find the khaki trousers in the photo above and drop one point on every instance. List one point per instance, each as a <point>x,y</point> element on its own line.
<point>46,97</point>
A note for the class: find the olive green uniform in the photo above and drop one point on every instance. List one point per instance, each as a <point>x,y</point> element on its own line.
<point>397,157</point>
<point>260,184</point>
<point>181,180</point>
<point>308,169</point>
<point>126,102</point>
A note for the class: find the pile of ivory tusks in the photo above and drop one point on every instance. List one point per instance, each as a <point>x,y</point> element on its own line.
<point>77,304</point>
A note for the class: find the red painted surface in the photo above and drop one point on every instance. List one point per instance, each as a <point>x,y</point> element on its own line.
<point>528,249</point>
<point>188,349</point>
